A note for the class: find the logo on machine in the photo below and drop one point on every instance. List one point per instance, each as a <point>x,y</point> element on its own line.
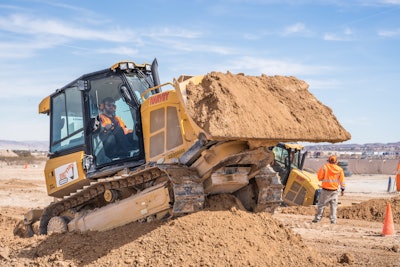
<point>66,173</point>
<point>156,99</point>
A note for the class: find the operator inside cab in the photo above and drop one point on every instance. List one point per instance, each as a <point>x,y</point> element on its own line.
<point>117,139</point>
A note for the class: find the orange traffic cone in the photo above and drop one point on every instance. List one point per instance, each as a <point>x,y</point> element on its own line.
<point>388,226</point>
<point>26,165</point>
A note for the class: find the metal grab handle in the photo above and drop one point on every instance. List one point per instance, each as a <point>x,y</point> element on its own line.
<point>154,88</point>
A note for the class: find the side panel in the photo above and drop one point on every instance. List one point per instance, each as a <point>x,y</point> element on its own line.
<point>167,131</point>
<point>300,188</point>
<point>65,175</point>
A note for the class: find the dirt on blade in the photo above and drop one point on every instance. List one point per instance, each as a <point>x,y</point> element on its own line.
<point>274,108</point>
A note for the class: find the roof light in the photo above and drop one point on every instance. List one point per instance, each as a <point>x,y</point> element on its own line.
<point>131,65</point>
<point>148,67</point>
<point>123,66</point>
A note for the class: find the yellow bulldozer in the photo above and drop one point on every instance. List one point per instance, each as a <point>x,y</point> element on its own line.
<point>301,187</point>
<point>124,147</point>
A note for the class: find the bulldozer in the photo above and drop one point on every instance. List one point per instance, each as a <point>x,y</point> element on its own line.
<point>156,159</point>
<point>300,186</point>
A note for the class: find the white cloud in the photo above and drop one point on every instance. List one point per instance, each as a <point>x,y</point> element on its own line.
<point>25,47</point>
<point>274,66</point>
<point>389,33</point>
<point>27,25</point>
<point>217,49</point>
<point>58,32</point>
<point>176,44</point>
<point>172,32</point>
<point>394,2</point>
<point>346,35</point>
<point>348,31</point>
<point>122,50</point>
<point>326,84</point>
<point>250,36</point>
<point>295,28</point>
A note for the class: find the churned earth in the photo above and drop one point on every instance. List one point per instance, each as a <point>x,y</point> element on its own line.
<point>222,235</point>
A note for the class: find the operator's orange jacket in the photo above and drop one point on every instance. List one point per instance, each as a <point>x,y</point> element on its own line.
<point>331,176</point>
<point>105,120</point>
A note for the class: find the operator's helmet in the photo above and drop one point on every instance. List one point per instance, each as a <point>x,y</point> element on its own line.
<point>332,159</point>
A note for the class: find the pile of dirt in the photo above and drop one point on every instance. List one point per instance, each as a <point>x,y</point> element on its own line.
<point>372,210</point>
<point>7,153</point>
<point>212,237</point>
<point>274,108</point>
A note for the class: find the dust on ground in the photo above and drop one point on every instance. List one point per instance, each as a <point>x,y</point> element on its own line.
<point>222,235</point>
<point>263,107</point>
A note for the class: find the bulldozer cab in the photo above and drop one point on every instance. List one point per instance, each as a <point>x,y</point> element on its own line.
<point>300,187</point>
<point>287,157</point>
<point>101,132</point>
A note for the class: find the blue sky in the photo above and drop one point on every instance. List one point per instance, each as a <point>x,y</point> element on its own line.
<point>347,51</point>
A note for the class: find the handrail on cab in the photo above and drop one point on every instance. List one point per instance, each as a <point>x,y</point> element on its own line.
<point>154,88</point>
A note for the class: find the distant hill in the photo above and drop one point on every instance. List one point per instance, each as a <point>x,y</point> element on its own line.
<point>24,145</point>
<point>44,146</point>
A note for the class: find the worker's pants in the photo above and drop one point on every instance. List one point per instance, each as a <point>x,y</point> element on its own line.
<point>327,197</point>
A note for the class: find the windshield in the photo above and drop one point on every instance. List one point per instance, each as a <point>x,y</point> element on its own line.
<point>139,82</point>
<point>284,156</point>
<point>116,137</point>
<point>296,157</point>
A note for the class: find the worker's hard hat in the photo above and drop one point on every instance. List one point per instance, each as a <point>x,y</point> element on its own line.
<point>332,159</point>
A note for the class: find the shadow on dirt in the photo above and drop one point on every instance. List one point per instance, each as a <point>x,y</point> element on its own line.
<point>85,248</point>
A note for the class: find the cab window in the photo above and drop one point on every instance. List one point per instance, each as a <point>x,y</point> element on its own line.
<point>66,120</point>
<point>116,138</point>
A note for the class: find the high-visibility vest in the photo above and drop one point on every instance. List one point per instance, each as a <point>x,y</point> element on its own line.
<point>331,176</point>
<point>105,120</point>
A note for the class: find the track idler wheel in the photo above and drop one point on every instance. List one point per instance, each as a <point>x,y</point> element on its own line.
<point>58,225</point>
<point>111,195</point>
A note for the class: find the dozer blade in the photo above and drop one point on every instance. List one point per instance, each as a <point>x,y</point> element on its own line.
<point>263,109</point>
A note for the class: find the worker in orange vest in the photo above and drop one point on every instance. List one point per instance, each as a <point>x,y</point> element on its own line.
<point>332,177</point>
<point>116,137</point>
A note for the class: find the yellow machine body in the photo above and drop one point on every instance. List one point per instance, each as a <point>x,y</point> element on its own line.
<point>301,188</point>
<point>65,175</point>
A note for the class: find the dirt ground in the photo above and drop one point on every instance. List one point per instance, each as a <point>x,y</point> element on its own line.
<point>221,235</point>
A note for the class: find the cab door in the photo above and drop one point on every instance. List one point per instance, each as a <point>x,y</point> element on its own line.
<point>110,86</point>
<point>64,171</point>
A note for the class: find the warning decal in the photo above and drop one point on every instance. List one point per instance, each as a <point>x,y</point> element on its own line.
<point>66,173</point>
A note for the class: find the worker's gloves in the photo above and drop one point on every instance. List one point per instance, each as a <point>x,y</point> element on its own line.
<point>342,191</point>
